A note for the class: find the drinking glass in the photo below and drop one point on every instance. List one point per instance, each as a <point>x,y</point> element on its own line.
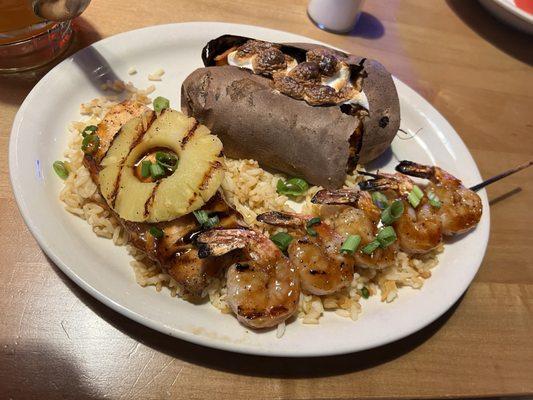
<point>34,32</point>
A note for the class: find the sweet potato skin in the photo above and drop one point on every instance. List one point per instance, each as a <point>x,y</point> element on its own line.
<point>382,124</point>
<point>281,133</point>
<point>271,127</point>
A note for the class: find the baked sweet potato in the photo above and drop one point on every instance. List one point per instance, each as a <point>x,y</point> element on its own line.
<point>303,109</point>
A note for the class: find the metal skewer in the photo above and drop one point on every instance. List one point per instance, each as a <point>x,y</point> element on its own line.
<point>486,182</point>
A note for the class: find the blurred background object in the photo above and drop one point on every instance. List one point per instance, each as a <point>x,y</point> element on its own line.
<point>338,16</point>
<point>35,32</point>
<point>517,13</point>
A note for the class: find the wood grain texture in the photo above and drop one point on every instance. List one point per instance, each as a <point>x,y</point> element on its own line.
<point>58,342</point>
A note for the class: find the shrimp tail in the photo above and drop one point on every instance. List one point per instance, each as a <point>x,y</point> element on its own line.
<point>413,169</point>
<point>336,197</point>
<point>277,218</point>
<point>217,242</point>
<point>378,184</point>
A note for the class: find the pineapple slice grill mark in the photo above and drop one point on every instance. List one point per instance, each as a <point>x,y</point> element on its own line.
<point>146,121</point>
<point>197,177</point>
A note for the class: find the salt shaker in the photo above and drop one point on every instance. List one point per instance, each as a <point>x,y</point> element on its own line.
<point>339,16</point>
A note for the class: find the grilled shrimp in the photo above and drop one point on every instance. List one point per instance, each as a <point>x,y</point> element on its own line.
<point>418,229</point>
<point>461,207</point>
<point>263,287</point>
<point>361,219</point>
<point>321,266</point>
<point>175,252</point>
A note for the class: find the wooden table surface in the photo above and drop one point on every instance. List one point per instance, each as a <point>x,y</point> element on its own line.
<point>58,342</point>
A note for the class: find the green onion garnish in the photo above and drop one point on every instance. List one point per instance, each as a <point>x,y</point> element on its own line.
<point>386,236</point>
<point>61,169</point>
<point>89,129</point>
<point>156,171</point>
<point>282,240</point>
<point>380,200</point>
<point>201,216</point>
<point>166,160</point>
<point>351,244</point>
<point>413,200</point>
<point>292,187</point>
<point>160,103</point>
<point>162,157</point>
<point>90,144</point>
<point>310,224</point>
<point>415,196</point>
<point>211,222</point>
<point>392,212</point>
<point>204,220</point>
<point>434,200</point>
<point>365,293</point>
<point>370,247</point>
<point>145,168</point>
<point>156,232</point>
<point>418,192</point>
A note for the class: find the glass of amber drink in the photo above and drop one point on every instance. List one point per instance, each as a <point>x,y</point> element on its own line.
<point>28,40</point>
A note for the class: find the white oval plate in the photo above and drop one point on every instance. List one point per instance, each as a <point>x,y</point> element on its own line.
<point>102,269</point>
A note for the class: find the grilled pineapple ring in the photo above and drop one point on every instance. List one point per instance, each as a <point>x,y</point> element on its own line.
<point>191,185</point>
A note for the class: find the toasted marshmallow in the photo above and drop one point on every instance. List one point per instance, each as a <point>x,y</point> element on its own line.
<point>291,64</point>
<point>246,62</point>
<point>341,80</point>
<point>241,62</point>
<point>338,81</point>
<point>361,99</point>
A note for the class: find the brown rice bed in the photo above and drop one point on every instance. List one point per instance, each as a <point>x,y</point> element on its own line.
<point>251,190</point>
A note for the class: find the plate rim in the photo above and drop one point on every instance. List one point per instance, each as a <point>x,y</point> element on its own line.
<point>244,348</point>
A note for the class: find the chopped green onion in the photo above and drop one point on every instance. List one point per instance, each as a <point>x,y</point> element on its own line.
<point>292,187</point>
<point>160,103</point>
<point>201,216</point>
<point>145,168</point>
<point>156,232</point>
<point>370,247</point>
<point>350,244</point>
<point>204,220</point>
<point>392,212</point>
<point>418,192</point>
<point>282,240</point>
<point>89,129</point>
<point>166,160</point>
<point>413,199</point>
<point>61,169</point>
<point>156,171</point>
<point>164,157</point>
<point>365,293</point>
<point>310,224</point>
<point>380,200</point>
<point>434,200</point>
<point>415,196</point>
<point>90,144</point>
<point>211,222</point>
<point>386,236</point>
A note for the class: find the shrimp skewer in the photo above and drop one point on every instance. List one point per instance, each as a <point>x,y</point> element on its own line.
<point>316,253</point>
<point>263,287</point>
<point>362,219</point>
<point>461,207</point>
